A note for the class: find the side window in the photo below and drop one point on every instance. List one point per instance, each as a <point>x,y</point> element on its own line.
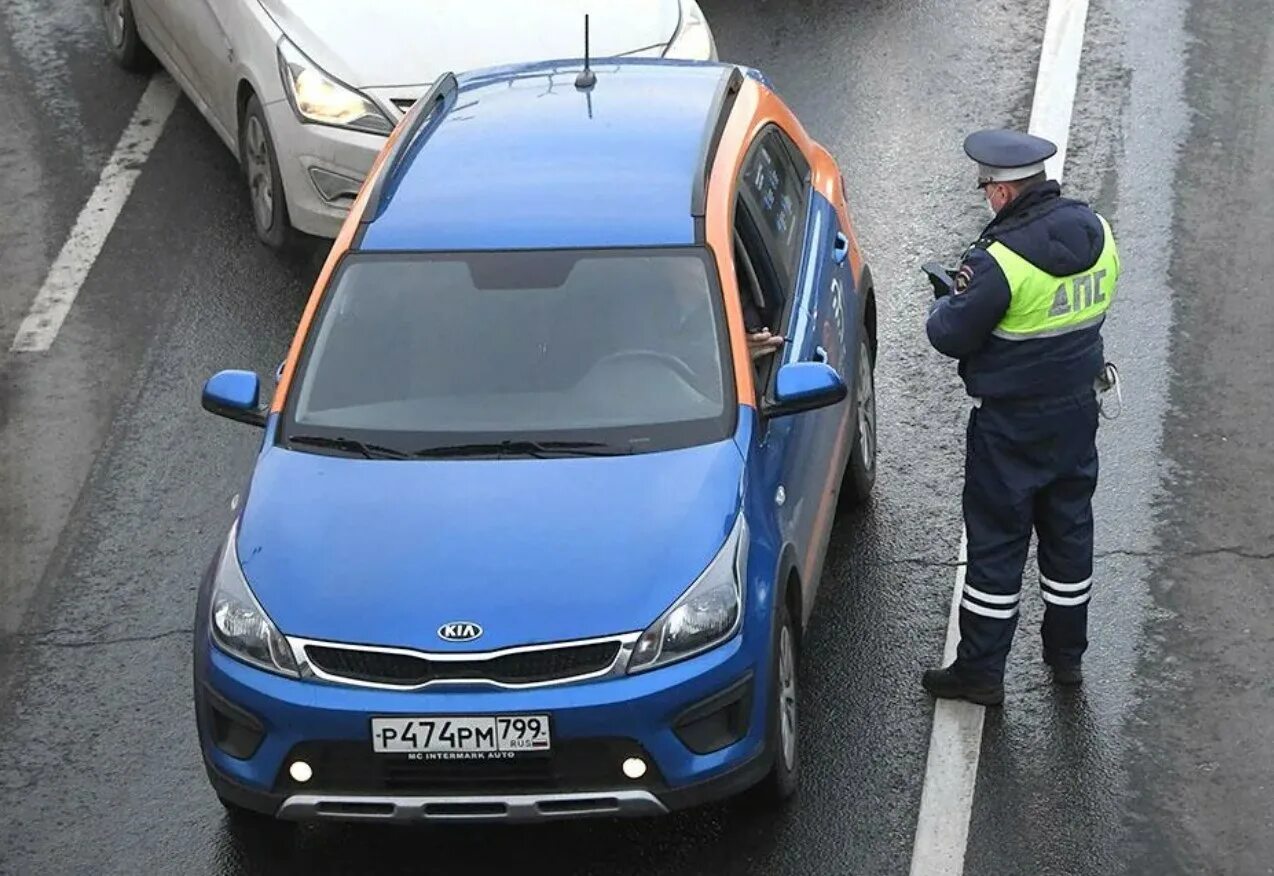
<point>760,293</point>
<point>759,284</point>
<point>774,182</point>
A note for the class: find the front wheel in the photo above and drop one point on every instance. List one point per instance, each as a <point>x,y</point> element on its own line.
<point>265,184</point>
<point>782,780</point>
<point>259,833</point>
<point>860,470</point>
<point>242,816</point>
<point>122,38</point>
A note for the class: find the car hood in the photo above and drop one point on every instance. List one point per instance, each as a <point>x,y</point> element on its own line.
<point>384,43</point>
<point>533,550</point>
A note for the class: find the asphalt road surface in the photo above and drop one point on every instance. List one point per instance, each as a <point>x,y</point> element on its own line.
<point>115,487</point>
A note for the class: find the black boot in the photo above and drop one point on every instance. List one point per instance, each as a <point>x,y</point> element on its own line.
<point>948,684</point>
<point>1068,676</point>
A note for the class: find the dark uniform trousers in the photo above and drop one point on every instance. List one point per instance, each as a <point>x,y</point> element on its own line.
<point>1029,464</point>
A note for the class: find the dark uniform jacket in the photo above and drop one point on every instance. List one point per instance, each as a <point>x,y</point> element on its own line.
<point>1058,235</point>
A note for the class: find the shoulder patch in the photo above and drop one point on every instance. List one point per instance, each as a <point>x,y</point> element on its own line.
<point>963,277</point>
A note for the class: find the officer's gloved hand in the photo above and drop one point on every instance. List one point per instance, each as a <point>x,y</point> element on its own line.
<point>940,278</point>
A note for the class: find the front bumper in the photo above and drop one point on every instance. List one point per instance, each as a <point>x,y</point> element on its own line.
<point>416,808</point>
<point>510,807</point>
<point>313,155</point>
<point>657,716</point>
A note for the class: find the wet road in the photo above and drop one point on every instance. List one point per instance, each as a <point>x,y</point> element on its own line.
<point>115,487</point>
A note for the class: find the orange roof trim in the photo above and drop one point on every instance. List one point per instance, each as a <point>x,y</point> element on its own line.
<point>340,246</point>
<point>754,108</point>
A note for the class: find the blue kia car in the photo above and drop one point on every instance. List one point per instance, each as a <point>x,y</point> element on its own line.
<point>540,509</point>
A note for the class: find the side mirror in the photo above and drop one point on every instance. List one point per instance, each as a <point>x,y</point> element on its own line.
<point>805,386</point>
<point>235,395</point>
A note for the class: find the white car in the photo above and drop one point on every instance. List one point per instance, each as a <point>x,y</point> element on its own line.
<point>305,91</point>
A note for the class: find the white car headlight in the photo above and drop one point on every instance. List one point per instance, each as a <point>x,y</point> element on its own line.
<point>693,39</point>
<point>708,613</point>
<point>240,627</point>
<point>317,97</point>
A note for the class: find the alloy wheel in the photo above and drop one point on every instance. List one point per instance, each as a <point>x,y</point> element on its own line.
<point>866,408</point>
<point>787,697</point>
<point>260,174</point>
<point>113,19</point>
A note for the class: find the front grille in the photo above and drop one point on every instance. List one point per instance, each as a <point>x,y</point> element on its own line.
<point>349,767</point>
<point>368,665</point>
<point>407,670</point>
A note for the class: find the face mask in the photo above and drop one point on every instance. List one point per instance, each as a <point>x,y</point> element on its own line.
<point>986,201</point>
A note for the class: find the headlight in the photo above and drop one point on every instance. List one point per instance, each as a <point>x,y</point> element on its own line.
<point>317,97</point>
<point>693,39</point>
<point>706,615</point>
<point>240,627</point>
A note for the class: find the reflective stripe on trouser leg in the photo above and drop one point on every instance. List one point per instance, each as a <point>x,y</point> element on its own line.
<point>986,634</point>
<point>997,520</point>
<point>1065,626</point>
<point>1060,593</point>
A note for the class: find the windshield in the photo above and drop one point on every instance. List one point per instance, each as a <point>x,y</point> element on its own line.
<point>612,347</point>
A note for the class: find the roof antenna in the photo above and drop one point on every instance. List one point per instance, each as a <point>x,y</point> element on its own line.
<point>586,78</point>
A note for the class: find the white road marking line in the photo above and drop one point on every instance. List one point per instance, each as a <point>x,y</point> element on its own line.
<point>951,772</point>
<point>955,744</point>
<point>1058,77</point>
<point>53,302</point>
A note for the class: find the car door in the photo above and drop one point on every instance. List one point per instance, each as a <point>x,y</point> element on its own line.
<point>783,241</point>
<point>834,309</point>
<point>798,233</point>
<point>199,27</point>
<point>155,20</point>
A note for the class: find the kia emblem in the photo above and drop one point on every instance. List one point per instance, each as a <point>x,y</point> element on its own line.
<point>459,631</point>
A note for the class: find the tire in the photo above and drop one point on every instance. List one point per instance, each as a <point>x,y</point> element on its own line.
<point>259,832</point>
<point>781,782</point>
<point>123,40</point>
<point>264,183</point>
<point>242,815</point>
<point>860,469</point>
<point>234,810</point>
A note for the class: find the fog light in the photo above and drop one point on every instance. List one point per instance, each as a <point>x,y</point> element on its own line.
<point>300,771</point>
<point>334,186</point>
<point>634,767</point>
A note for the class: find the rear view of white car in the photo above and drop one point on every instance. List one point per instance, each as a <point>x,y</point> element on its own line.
<point>304,92</point>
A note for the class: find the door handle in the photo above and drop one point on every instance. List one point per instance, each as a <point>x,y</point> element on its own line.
<point>841,248</point>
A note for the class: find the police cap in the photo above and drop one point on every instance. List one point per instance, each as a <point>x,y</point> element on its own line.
<point>1005,156</point>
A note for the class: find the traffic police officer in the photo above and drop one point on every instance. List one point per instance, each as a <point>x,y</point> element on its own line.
<point>1024,318</point>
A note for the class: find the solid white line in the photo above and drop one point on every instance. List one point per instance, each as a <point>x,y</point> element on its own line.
<point>53,302</point>
<point>1058,77</point>
<point>955,745</point>
<point>946,801</point>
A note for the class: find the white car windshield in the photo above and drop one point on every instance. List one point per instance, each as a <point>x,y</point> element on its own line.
<point>625,348</point>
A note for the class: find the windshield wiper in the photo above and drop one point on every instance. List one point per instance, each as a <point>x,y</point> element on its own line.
<point>368,451</point>
<point>538,449</point>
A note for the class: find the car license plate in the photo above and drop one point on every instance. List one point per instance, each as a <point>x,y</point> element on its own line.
<point>495,737</point>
